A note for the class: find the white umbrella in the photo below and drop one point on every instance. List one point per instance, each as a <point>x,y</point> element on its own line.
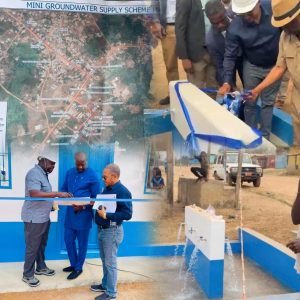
<point>196,115</point>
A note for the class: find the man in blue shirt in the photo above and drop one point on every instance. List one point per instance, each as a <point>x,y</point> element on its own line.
<point>253,32</point>
<point>81,181</point>
<point>111,231</point>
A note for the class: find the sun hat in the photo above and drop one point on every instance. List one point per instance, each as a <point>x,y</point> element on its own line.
<point>243,6</point>
<point>284,11</point>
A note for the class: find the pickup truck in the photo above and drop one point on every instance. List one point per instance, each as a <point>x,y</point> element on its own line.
<point>250,172</point>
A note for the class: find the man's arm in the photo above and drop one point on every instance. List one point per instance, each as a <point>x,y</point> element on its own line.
<point>181,22</point>
<point>124,211</point>
<point>296,208</point>
<point>217,58</point>
<point>275,74</point>
<point>40,194</point>
<point>34,187</point>
<point>124,214</point>
<point>232,46</point>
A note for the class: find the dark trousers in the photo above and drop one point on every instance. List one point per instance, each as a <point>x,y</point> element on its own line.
<point>77,258</point>
<point>199,172</point>
<point>36,236</point>
<point>254,75</point>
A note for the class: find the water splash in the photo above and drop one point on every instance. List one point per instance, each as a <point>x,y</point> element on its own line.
<point>192,263</point>
<point>183,258</point>
<point>174,260</point>
<point>234,279</point>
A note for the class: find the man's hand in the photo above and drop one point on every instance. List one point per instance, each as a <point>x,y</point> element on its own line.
<point>77,208</point>
<point>224,89</point>
<point>187,66</point>
<point>294,245</point>
<point>252,95</point>
<point>102,213</point>
<point>64,195</point>
<point>157,30</point>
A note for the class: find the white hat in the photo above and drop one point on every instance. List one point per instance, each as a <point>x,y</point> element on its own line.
<point>47,157</point>
<point>243,6</point>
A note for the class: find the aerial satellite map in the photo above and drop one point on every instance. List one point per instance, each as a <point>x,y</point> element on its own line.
<point>87,76</point>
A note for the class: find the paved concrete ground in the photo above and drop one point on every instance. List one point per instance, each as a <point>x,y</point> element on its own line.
<point>294,296</point>
<point>184,287</point>
<point>133,269</point>
<point>170,283</point>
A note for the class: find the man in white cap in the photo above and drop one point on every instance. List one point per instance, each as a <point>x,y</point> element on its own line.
<point>36,218</point>
<point>253,32</point>
<point>286,14</point>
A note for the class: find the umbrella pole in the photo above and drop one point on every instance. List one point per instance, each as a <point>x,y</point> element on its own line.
<point>238,183</point>
<point>224,165</point>
<point>209,151</point>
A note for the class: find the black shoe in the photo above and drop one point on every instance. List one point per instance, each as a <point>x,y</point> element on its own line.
<point>97,288</point>
<point>105,297</point>
<point>165,101</point>
<point>74,274</point>
<point>68,269</point>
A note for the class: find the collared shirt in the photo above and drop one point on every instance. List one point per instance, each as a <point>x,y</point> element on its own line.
<point>123,210</point>
<point>259,42</point>
<point>36,211</point>
<point>80,184</point>
<point>289,58</point>
<point>206,20</point>
<point>171,11</point>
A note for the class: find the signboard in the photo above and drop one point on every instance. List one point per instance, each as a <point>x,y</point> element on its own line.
<point>86,6</point>
<point>3,112</point>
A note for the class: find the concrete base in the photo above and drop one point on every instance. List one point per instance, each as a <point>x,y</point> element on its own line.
<point>203,193</point>
<point>138,269</point>
<point>294,296</point>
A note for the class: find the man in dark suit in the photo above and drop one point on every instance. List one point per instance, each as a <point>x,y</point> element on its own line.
<point>190,43</point>
<point>163,28</point>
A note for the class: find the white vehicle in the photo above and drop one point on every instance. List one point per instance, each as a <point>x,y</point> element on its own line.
<point>250,171</point>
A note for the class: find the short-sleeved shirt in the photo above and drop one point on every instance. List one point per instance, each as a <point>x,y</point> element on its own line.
<point>289,58</point>
<point>36,211</point>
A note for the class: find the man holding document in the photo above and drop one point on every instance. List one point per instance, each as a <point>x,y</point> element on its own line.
<point>111,231</point>
<point>83,182</point>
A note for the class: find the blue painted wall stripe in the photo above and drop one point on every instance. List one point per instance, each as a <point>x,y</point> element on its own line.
<point>272,260</point>
<point>208,273</point>
<point>136,236</point>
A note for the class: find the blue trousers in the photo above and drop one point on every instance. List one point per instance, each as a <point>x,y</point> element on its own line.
<point>254,75</point>
<point>109,241</point>
<point>76,258</point>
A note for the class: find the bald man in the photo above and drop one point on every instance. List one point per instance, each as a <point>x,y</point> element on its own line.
<point>81,181</point>
<point>110,231</point>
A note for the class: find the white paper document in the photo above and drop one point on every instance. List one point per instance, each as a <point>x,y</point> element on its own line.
<point>110,206</point>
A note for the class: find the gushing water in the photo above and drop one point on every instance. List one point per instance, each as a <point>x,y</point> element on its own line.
<point>193,261</point>
<point>183,258</point>
<point>174,260</point>
<point>234,282</point>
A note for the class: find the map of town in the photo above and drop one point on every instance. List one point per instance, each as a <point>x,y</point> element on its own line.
<point>73,77</point>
